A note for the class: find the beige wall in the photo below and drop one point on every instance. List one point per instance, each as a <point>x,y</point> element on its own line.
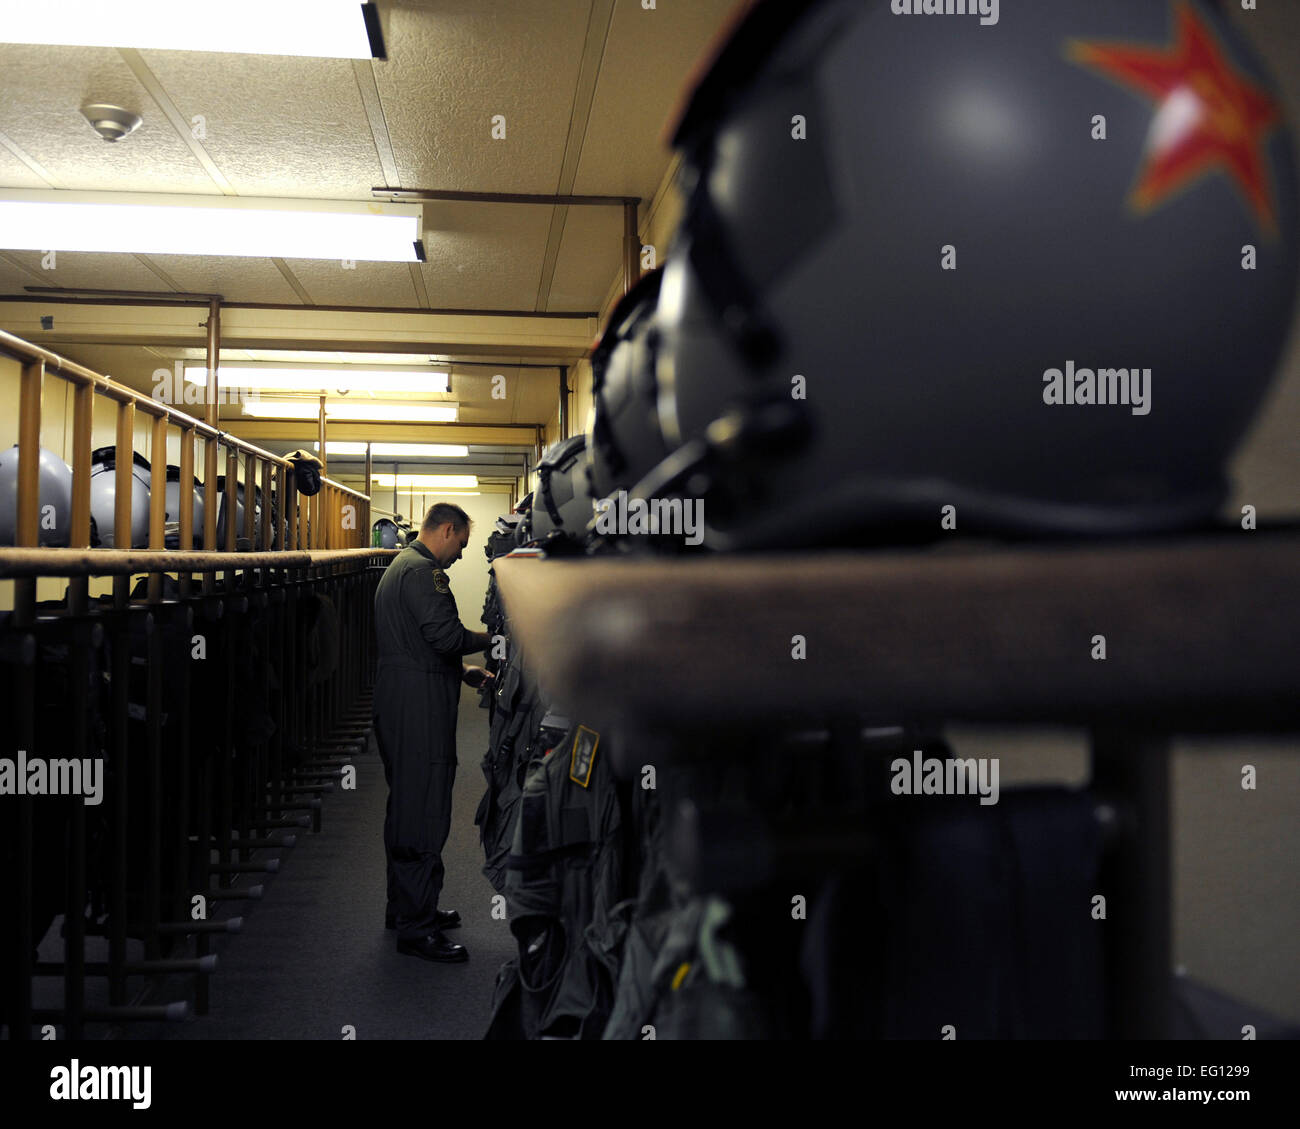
<point>656,224</point>
<point>580,379</point>
<point>469,576</point>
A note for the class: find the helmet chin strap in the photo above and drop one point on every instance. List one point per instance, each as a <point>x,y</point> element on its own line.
<point>724,283</point>
<point>700,466</point>
<point>696,457</point>
<point>753,338</point>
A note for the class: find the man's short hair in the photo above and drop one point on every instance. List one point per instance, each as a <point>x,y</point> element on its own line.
<point>441,514</point>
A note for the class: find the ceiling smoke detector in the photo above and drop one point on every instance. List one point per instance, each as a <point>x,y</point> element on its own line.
<point>112,123</point>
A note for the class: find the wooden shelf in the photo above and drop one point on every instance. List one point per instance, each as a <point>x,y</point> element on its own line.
<point>127,562</point>
<point>1202,634</point>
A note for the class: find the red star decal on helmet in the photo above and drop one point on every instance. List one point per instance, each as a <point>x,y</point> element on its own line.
<point>1209,116</point>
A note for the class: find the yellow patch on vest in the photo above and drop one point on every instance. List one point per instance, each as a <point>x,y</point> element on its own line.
<point>582,758</point>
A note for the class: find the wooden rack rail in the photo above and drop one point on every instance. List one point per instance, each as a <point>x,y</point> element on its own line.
<point>334,518</point>
<point>1200,635</point>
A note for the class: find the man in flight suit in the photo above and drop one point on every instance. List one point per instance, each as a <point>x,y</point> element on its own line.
<point>417,693</point>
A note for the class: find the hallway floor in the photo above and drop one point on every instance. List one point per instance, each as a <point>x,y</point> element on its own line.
<point>314,957</point>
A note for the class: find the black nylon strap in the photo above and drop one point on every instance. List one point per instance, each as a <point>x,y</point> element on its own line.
<point>546,857</point>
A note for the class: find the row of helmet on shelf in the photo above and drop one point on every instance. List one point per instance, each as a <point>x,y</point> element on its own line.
<point>904,257</point>
<point>903,244</point>
<point>394,532</point>
<point>55,503</point>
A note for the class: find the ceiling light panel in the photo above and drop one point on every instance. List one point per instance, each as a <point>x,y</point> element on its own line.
<point>318,358</point>
<point>362,411</point>
<point>429,481</point>
<point>344,448</point>
<point>149,224</point>
<point>329,29</point>
<point>312,379</point>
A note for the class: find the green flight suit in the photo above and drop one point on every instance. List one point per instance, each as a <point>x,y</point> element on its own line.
<point>417,694</point>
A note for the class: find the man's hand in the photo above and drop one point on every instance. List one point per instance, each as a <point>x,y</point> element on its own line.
<point>475,677</point>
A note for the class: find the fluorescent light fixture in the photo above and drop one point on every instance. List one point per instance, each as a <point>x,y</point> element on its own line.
<point>153,224</point>
<point>327,29</point>
<point>317,358</point>
<point>363,411</point>
<point>441,493</point>
<point>428,481</point>
<point>281,378</point>
<point>395,450</point>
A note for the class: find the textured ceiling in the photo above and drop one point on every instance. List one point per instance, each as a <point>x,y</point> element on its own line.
<point>44,89</point>
<point>452,67</point>
<point>273,125</point>
<point>486,256</point>
<point>584,86</point>
<point>646,59</point>
<point>70,269</point>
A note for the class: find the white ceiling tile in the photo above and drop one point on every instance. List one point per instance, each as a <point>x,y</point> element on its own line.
<point>648,56</point>
<point>44,89</point>
<point>235,279</point>
<point>367,284</point>
<point>276,126</point>
<point>15,174</point>
<point>591,257</point>
<point>97,271</point>
<point>450,69</point>
<point>484,256</point>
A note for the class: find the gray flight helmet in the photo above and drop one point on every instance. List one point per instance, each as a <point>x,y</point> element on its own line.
<point>172,540</point>
<point>626,440</point>
<point>524,509</point>
<point>562,506</point>
<point>239,513</point>
<point>908,259</point>
<point>504,536</point>
<point>54,493</point>
<point>103,493</point>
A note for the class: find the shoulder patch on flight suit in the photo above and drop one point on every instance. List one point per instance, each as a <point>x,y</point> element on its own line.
<point>583,756</point>
<point>440,583</point>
